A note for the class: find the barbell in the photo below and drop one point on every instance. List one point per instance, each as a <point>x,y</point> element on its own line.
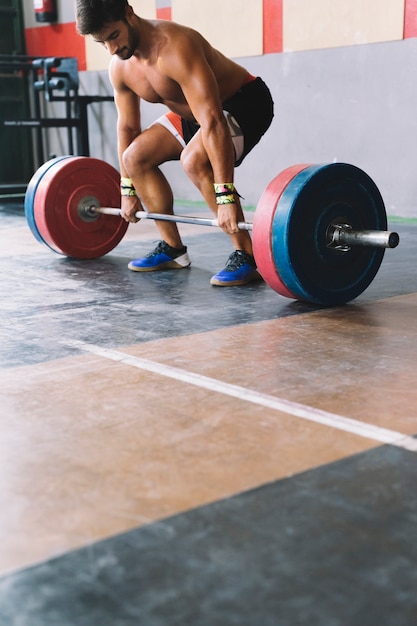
<point>319,231</point>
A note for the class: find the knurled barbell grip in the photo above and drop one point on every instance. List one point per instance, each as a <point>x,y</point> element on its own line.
<point>162,217</point>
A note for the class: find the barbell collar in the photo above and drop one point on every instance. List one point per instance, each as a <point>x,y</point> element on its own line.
<point>341,235</point>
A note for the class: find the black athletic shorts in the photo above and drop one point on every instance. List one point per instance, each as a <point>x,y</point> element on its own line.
<point>253,109</point>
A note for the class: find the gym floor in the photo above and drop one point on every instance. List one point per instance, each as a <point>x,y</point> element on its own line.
<point>176,454</point>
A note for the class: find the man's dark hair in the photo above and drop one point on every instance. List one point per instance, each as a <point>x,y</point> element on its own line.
<point>92,15</point>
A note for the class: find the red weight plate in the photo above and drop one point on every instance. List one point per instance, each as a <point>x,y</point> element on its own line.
<point>68,185</point>
<point>262,229</point>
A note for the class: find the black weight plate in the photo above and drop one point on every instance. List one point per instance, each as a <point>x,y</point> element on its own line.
<point>314,199</point>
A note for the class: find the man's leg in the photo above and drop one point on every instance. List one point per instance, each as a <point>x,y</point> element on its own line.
<point>142,158</point>
<point>240,268</point>
<point>154,146</point>
<point>197,167</point>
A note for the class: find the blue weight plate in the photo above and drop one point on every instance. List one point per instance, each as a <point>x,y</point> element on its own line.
<point>31,193</point>
<point>317,197</point>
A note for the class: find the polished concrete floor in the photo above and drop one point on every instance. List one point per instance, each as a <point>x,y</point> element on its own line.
<point>173,453</point>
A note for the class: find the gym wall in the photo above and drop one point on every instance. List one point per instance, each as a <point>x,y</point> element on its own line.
<point>340,71</point>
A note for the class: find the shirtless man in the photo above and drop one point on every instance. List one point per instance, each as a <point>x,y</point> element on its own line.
<point>217,113</point>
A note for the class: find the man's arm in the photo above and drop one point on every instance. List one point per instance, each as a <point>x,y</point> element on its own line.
<point>128,128</point>
<point>188,66</point>
<point>128,112</point>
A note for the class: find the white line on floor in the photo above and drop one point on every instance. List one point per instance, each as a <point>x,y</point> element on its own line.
<point>362,429</point>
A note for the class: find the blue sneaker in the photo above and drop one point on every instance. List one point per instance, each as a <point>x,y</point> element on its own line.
<point>164,257</point>
<point>240,269</point>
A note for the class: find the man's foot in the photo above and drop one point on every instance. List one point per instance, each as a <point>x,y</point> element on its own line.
<point>240,269</point>
<point>164,257</point>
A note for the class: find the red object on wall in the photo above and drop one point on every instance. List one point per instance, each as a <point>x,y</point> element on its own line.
<point>410,19</point>
<point>45,10</point>
<point>60,40</point>
<point>273,26</point>
<point>164,13</point>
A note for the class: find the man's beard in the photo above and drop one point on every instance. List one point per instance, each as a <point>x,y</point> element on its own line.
<point>127,51</point>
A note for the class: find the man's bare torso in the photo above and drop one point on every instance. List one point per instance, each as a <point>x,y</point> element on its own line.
<point>146,73</point>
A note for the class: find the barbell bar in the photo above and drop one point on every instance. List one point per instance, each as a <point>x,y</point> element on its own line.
<point>319,232</point>
<point>91,211</point>
<point>339,235</point>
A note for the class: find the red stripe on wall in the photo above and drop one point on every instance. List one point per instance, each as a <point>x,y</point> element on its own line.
<point>164,13</point>
<point>56,40</point>
<point>410,19</point>
<point>273,26</point>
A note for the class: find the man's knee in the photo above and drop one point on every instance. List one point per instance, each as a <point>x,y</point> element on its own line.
<point>194,162</point>
<point>150,149</point>
<point>134,158</point>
